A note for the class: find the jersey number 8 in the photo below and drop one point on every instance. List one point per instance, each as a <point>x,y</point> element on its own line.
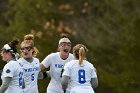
<point>81,76</point>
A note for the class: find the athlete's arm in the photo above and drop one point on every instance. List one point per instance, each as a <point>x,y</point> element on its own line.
<point>5,84</point>
<point>42,67</point>
<point>43,75</point>
<point>94,82</point>
<point>64,83</point>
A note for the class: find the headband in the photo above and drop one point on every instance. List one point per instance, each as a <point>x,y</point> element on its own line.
<point>64,40</point>
<point>7,48</point>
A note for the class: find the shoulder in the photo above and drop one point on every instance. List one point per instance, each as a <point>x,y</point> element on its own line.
<point>20,59</point>
<point>71,55</point>
<point>70,63</point>
<point>89,64</point>
<point>11,65</point>
<point>54,54</point>
<point>36,59</point>
<point>51,55</point>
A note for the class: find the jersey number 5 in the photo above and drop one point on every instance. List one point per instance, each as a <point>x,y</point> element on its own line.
<point>33,77</point>
<point>81,76</point>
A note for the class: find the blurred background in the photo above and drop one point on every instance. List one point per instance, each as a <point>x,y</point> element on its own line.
<point>109,29</point>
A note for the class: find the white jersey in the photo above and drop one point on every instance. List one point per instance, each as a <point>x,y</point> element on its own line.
<point>82,89</point>
<point>31,71</point>
<point>80,76</point>
<point>56,65</point>
<point>13,69</point>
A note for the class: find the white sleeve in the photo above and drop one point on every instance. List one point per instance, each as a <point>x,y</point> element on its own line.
<point>38,62</point>
<point>93,73</point>
<point>47,61</point>
<point>66,70</point>
<point>8,70</point>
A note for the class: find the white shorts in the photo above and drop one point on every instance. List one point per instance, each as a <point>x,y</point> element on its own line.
<point>53,89</point>
<point>82,89</point>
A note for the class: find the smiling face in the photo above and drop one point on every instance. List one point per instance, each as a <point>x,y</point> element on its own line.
<point>64,49</point>
<point>26,50</point>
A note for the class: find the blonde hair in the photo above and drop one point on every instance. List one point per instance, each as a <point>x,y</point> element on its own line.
<point>79,52</point>
<point>81,55</point>
<point>29,39</point>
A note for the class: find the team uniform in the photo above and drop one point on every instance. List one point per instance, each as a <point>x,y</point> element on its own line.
<point>31,71</point>
<point>80,76</point>
<point>14,70</point>
<point>56,64</point>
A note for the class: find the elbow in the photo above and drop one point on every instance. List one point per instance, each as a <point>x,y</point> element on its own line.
<point>64,85</point>
<point>64,82</point>
<point>42,67</point>
<point>3,88</point>
<point>94,83</point>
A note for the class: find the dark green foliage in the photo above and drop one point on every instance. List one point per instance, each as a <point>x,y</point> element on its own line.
<point>109,28</point>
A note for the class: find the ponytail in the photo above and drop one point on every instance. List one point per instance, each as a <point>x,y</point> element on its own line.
<point>81,55</point>
<point>79,52</point>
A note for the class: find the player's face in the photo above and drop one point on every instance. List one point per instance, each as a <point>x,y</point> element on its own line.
<point>64,48</point>
<point>26,50</point>
<point>6,56</point>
